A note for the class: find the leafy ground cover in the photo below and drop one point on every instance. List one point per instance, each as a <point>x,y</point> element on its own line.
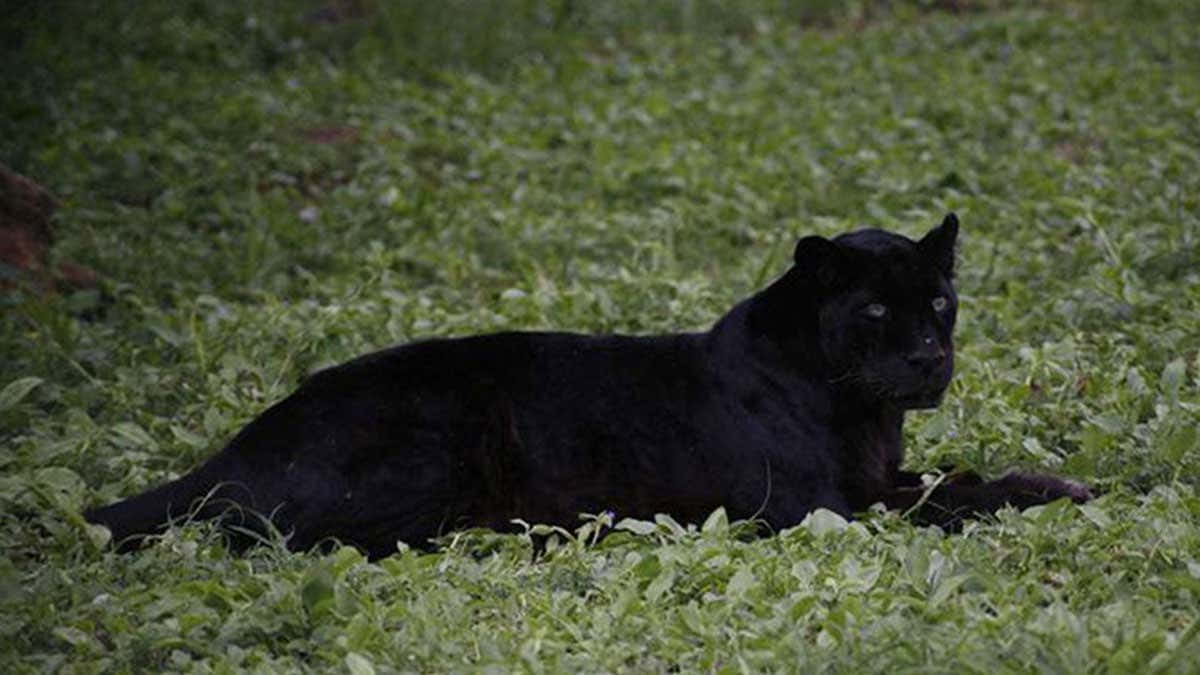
<point>268,191</point>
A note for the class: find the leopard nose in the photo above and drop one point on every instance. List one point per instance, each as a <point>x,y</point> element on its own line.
<point>928,356</point>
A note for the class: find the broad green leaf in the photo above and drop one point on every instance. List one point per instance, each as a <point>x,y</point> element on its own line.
<point>823,521</point>
<point>61,479</point>
<point>740,582</point>
<point>98,535</point>
<point>14,392</point>
<point>936,427</point>
<point>1096,514</point>
<point>358,664</point>
<point>641,527</point>
<point>669,524</point>
<point>130,434</point>
<point>717,521</point>
<point>1172,379</point>
<point>945,587</point>
<point>1179,442</point>
<point>693,618</point>
<point>188,438</point>
<point>317,590</point>
<point>661,584</point>
<point>858,577</point>
<point>74,636</point>
<point>1109,423</point>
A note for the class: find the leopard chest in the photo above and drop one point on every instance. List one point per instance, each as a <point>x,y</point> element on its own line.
<point>872,451</point>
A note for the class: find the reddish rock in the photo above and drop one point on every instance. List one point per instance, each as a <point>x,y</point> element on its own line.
<point>26,236</point>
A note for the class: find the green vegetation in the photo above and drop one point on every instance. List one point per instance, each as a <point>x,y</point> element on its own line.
<point>265,193</point>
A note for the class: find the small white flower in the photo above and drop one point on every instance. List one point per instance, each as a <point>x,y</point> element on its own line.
<point>389,196</point>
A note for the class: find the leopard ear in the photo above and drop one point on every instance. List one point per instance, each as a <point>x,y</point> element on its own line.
<point>822,261</point>
<point>938,244</point>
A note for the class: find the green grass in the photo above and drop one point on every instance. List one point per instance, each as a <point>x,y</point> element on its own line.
<point>264,194</point>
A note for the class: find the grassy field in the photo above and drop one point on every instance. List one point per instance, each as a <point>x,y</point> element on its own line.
<point>266,192</point>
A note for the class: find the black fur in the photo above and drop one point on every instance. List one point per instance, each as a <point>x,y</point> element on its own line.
<point>793,401</point>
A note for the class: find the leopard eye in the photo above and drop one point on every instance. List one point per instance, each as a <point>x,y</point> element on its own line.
<point>875,311</point>
<point>940,303</point>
